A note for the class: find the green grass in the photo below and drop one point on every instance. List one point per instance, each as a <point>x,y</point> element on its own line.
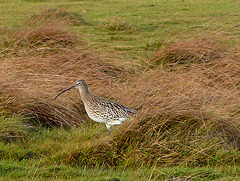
<point>42,156</point>
<point>128,33</point>
<point>152,24</point>
<point>35,170</point>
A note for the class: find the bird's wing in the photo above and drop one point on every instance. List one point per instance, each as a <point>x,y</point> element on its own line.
<point>114,109</point>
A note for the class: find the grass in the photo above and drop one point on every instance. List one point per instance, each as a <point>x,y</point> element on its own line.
<point>177,62</point>
<point>34,170</point>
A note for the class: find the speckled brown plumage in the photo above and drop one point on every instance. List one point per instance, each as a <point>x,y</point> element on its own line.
<point>101,110</point>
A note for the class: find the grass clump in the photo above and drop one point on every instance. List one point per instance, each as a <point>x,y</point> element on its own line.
<point>38,36</point>
<point>115,24</point>
<point>13,127</point>
<point>193,50</point>
<point>46,52</point>
<point>63,14</point>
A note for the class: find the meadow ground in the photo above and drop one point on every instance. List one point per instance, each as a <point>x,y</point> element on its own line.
<point>176,62</point>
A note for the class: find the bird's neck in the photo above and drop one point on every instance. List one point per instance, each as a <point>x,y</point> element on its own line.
<point>85,94</point>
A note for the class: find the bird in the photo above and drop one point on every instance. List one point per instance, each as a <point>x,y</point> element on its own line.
<point>100,109</point>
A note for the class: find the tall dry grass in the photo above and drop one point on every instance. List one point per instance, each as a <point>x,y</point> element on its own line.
<point>189,110</point>
<point>188,98</point>
<point>43,58</point>
<point>190,105</point>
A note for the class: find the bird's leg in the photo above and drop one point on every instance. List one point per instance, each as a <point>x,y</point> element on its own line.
<point>108,127</point>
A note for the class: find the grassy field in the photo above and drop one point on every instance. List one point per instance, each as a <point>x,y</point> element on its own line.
<point>176,62</point>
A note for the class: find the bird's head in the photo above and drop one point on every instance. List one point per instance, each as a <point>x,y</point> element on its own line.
<point>80,84</point>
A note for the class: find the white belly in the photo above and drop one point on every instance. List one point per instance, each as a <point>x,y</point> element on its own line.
<point>94,117</point>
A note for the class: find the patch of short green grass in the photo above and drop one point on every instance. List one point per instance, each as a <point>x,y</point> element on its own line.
<point>43,156</point>
<point>35,170</point>
<point>47,143</point>
<point>152,21</point>
<point>13,127</point>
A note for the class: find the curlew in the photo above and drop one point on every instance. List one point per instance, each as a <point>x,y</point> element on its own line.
<point>100,109</point>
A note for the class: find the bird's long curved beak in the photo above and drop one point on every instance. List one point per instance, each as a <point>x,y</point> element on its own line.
<point>64,91</point>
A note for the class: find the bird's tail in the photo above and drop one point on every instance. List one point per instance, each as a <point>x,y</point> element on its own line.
<point>133,111</point>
